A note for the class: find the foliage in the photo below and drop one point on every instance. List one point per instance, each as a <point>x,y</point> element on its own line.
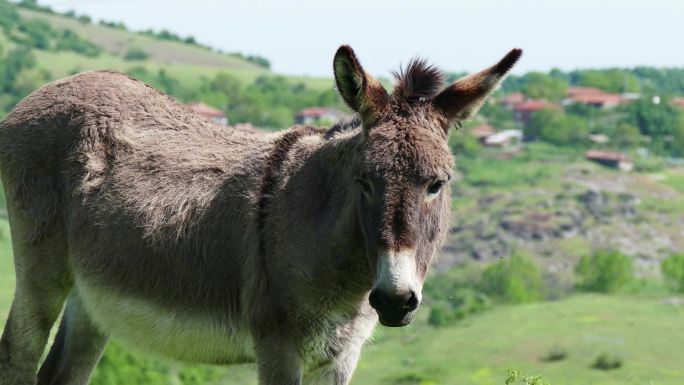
<point>603,272</point>
<point>463,144</point>
<point>607,361</point>
<point>119,366</point>
<point>556,353</point>
<point>256,59</point>
<point>165,34</point>
<point>557,127</point>
<point>627,135</point>
<point>459,304</point>
<point>609,80</point>
<point>516,279</point>
<point>136,54</point>
<point>517,377</point>
<point>70,41</point>
<point>538,85</point>
<point>673,271</point>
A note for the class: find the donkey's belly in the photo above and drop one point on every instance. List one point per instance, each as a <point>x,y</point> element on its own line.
<point>192,337</point>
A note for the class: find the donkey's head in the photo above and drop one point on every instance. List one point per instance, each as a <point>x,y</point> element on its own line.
<point>404,167</point>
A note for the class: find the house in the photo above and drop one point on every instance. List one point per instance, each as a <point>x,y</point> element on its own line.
<point>318,115</point>
<point>598,138</point>
<point>208,112</point>
<point>513,99</point>
<point>678,101</point>
<point>592,96</point>
<point>505,138</point>
<point>247,127</point>
<point>523,111</point>
<point>613,159</point>
<point>482,131</point>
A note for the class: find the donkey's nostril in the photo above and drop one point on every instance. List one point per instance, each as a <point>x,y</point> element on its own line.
<point>412,303</point>
<point>377,299</point>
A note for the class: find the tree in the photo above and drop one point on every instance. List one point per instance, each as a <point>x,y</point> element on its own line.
<point>627,135</point>
<point>610,80</point>
<point>604,272</point>
<point>513,280</point>
<point>136,54</point>
<point>557,127</point>
<point>538,85</point>
<point>673,271</point>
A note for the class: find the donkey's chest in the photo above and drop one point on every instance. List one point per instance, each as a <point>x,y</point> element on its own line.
<point>179,334</point>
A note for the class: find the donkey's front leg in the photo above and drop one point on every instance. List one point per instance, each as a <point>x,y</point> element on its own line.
<point>278,361</point>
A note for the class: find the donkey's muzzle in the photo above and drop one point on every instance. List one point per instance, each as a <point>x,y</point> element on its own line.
<point>394,309</point>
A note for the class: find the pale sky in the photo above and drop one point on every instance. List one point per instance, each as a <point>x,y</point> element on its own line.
<point>301,36</point>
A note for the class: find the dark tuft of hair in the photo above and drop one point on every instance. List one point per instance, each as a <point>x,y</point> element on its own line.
<point>418,80</point>
<point>343,125</point>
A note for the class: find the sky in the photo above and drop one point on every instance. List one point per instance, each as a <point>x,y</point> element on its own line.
<point>300,37</point>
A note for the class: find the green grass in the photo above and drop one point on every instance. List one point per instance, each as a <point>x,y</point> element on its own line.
<point>675,179</point>
<point>644,332</point>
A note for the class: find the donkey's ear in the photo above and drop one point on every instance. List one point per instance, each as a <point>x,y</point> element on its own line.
<point>359,90</point>
<point>463,99</point>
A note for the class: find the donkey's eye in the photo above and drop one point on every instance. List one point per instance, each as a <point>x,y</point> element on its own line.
<point>435,188</point>
<point>365,186</point>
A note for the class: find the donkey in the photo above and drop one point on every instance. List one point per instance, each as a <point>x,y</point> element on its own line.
<point>211,245</point>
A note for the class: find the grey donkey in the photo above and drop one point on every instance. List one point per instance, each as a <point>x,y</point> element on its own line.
<point>206,244</point>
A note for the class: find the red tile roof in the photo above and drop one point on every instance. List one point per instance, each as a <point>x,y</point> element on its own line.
<point>204,110</point>
<point>316,112</point>
<point>678,101</point>
<point>593,95</point>
<point>573,91</point>
<point>513,99</point>
<point>482,131</point>
<point>607,155</point>
<point>534,105</point>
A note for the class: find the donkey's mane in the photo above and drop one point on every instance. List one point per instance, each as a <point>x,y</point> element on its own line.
<point>343,125</point>
<point>417,81</point>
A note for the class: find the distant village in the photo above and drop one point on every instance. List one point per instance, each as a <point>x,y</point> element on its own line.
<point>487,135</point>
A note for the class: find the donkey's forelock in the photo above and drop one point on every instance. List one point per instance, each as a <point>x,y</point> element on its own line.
<point>418,81</point>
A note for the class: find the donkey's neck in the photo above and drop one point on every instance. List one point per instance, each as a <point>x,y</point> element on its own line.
<point>318,188</point>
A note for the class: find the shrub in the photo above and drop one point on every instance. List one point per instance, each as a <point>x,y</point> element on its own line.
<point>513,280</point>
<point>556,353</point>
<point>460,303</point>
<point>607,362</point>
<point>517,377</point>
<point>136,54</point>
<point>673,271</point>
<point>604,272</point>
<point>70,41</point>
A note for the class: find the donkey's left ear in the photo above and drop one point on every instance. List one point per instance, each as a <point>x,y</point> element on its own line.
<point>359,90</point>
<point>463,99</point>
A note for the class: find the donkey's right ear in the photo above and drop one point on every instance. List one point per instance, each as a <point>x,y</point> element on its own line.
<point>359,90</point>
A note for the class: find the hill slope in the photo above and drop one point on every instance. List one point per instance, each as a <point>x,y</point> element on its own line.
<point>188,62</point>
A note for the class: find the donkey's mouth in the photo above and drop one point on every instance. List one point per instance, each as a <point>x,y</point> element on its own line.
<point>396,318</point>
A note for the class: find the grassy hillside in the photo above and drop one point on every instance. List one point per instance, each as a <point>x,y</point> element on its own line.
<point>187,62</point>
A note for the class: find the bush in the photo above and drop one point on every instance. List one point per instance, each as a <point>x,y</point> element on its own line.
<point>517,377</point>
<point>513,280</point>
<point>673,271</point>
<point>607,362</point>
<point>70,41</point>
<point>459,304</point>
<point>556,354</point>
<point>136,54</point>
<point>604,272</point>
<point>462,143</point>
